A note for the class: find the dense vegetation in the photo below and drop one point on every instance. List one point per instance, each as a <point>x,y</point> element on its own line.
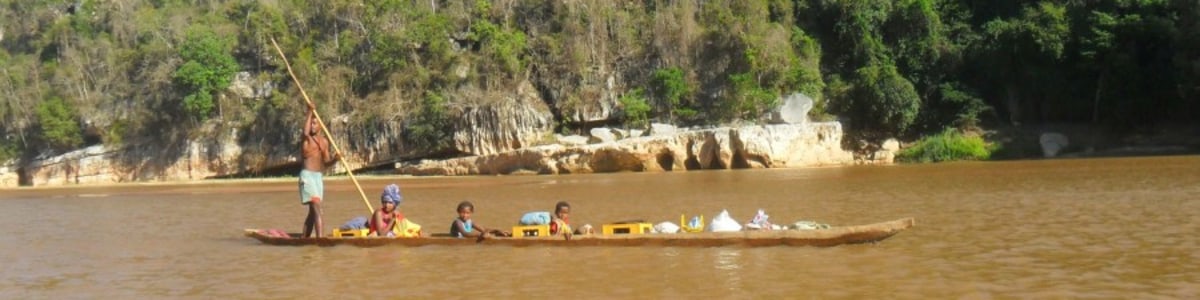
<point>124,71</point>
<point>949,145</point>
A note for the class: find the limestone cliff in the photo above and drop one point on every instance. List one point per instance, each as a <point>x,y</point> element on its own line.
<point>764,146</point>
<point>504,126</point>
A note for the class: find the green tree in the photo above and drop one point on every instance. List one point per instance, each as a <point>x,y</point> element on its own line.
<point>208,67</point>
<point>880,101</point>
<point>1024,52</point>
<point>805,74</point>
<point>430,129</point>
<point>956,104</point>
<point>59,124</point>
<point>750,100</point>
<point>671,90</point>
<point>635,109</point>
<point>503,46</point>
<point>1122,46</point>
<point>8,151</point>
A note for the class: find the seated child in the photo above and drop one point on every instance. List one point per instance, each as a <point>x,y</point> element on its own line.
<point>387,216</point>
<point>463,227</point>
<point>558,223</point>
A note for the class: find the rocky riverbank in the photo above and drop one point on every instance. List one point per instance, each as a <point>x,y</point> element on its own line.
<point>760,146</point>
<point>664,148</point>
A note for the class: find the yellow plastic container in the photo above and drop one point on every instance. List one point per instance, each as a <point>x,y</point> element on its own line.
<point>683,225</point>
<point>339,233</point>
<point>531,231</point>
<point>627,228</point>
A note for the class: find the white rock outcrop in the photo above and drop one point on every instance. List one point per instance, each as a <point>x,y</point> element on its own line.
<point>1053,143</point>
<point>794,110</point>
<point>571,140</point>
<point>766,146</point>
<point>9,178</point>
<point>661,129</point>
<point>601,135</point>
<point>246,86</point>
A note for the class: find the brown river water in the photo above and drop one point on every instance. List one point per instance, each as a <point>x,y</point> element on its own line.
<point>1048,229</point>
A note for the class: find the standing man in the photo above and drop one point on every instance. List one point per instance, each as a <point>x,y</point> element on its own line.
<point>314,150</point>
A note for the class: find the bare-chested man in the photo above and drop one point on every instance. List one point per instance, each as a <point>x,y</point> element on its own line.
<point>314,150</point>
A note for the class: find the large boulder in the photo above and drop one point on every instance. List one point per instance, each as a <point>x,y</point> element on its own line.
<point>890,145</point>
<point>887,152</point>
<point>601,135</point>
<point>661,129</point>
<point>1053,143</point>
<point>794,110</point>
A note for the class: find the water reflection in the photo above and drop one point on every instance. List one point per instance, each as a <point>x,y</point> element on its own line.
<point>728,259</point>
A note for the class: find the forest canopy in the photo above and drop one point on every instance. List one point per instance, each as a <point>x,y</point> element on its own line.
<point>120,72</point>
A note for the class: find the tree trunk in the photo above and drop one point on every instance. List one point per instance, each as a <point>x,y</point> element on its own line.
<point>1096,99</point>
<point>1013,103</point>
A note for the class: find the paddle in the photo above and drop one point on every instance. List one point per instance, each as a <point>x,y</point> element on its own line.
<point>338,151</point>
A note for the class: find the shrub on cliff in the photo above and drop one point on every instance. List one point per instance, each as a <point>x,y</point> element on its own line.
<point>8,151</point>
<point>208,67</point>
<point>430,128</point>
<point>635,110</point>
<point>670,87</point>
<point>59,125</point>
<point>949,145</point>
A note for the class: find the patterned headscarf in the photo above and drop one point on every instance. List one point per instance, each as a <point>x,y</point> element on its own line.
<point>391,193</point>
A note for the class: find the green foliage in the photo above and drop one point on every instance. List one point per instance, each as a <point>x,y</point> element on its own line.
<point>881,100</point>
<point>114,135</point>
<point>199,104</point>
<point>805,74</point>
<point>750,101</point>
<point>208,67</point>
<point>1041,30</point>
<point>430,36</point>
<point>504,46</point>
<point>9,150</point>
<point>59,124</point>
<point>672,90</point>
<point>636,110</point>
<point>949,145</point>
<point>876,63</point>
<point>431,128</point>
<point>82,20</point>
<point>1114,41</point>
<point>669,85</point>
<point>965,106</point>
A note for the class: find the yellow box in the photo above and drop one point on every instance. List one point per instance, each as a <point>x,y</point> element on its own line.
<point>627,228</point>
<point>339,233</point>
<point>531,231</point>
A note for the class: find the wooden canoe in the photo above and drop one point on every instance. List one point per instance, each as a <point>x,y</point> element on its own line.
<point>819,237</point>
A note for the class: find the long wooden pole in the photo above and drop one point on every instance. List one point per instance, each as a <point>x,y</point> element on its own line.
<point>341,158</point>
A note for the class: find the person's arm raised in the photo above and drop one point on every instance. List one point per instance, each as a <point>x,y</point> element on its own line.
<point>308,121</point>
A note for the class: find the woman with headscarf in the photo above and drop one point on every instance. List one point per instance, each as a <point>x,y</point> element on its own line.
<point>388,215</point>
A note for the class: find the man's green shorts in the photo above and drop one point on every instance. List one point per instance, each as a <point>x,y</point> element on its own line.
<point>312,187</point>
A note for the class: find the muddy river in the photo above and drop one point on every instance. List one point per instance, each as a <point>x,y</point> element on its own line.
<point>1079,228</point>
